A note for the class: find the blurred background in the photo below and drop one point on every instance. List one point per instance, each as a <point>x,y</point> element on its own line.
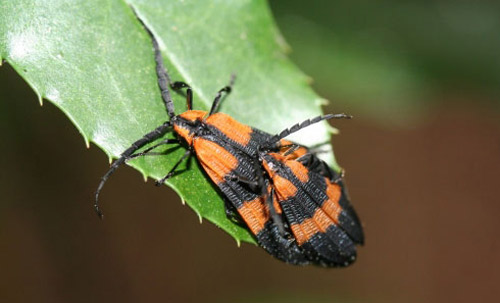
<point>422,157</point>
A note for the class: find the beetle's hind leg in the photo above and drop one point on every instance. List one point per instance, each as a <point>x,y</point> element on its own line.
<point>232,213</point>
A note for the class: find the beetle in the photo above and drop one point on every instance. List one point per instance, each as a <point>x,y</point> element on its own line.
<point>240,161</point>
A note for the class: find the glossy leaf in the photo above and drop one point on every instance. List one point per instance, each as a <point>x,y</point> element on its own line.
<point>93,60</point>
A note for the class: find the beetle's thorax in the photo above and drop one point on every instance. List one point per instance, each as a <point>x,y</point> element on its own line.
<point>188,124</point>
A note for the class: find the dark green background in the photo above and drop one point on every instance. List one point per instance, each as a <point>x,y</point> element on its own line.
<point>421,155</point>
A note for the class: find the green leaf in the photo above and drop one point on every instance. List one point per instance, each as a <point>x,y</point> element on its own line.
<point>94,60</point>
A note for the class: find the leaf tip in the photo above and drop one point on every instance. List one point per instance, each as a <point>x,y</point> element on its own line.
<point>332,130</point>
<point>200,217</point>
<point>144,177</point>
<point>238,242</point>
<point>309,80</point>
<point>283,45</point>
<point>323,102</point>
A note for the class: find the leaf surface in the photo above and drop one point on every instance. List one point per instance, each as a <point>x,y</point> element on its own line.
<point>94,61</point>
